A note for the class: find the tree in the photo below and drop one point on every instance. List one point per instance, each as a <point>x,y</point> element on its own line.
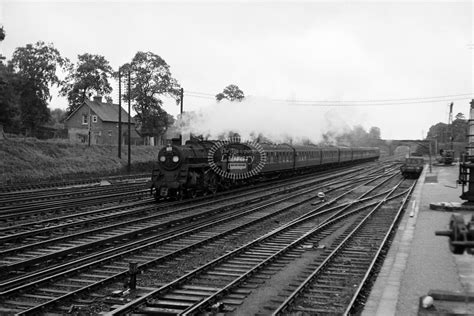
<point>156,123</point>
<point>460,129</point>
<point>10,89</point>
<point>57,117</point>
<point>36,66</point>
<point>439,132</point>
<point>232,93</point>
<point>151,80</point>
<point>442,132</point>
<point>374,133</point>
<point>2,37</point>
<point>91,73</point>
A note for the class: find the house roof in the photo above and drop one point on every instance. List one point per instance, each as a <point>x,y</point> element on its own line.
<point>107,112</point>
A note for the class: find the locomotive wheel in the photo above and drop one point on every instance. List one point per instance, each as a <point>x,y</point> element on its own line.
<point>213,189</point>
<point>179,194</point>
<point>192,193</point>
<point>212,184</point>
<point>458,229</point>
<point>156,194</point>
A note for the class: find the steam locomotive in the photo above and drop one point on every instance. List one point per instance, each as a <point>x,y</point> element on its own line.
<point>203,167</point>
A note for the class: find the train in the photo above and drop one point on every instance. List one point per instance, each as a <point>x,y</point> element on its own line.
<point>206,167</point>
<point>446,156</point>
<point>412,167</point>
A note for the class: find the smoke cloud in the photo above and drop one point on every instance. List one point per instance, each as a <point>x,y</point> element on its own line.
<point>278,121</point>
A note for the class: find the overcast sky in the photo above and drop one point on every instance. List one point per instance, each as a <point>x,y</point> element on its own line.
<point>298,50</point>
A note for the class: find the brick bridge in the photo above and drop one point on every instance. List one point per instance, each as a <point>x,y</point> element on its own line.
<point>413,144</point>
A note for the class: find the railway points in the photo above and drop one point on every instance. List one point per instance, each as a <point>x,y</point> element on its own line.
<point>74,283</point>
<point>420,263</point>
<point>340,252</point>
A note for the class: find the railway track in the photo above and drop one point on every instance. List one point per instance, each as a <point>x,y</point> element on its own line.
<point>42,185</point>
<point>37,246</point>
<point>52,227</point>
<point>226,282</point>
<point>34,297</point>
<point>338,281</point>
<point>19,303</point>
<point>35,212</point>
<point>8,200</point>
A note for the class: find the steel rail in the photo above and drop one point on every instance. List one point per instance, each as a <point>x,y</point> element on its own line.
<point>19,209</point>
<point>13,188</point>
<point>42,258</point>
<point>29,198</point>
<point>129,307</point>
<point>378,254</point>
<point>325,174</point>
<point>225,218</point>
<point>68,217</point>
<point>205,303</point>
<point>298,291</point>
<point>48,303</point>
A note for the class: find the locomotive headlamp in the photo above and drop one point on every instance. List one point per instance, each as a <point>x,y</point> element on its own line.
<point>162,158</point>
<point>175,158</point>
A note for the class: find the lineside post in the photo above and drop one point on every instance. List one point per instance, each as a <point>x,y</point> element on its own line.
<point>120,115</point>
<point>132,271</point>
<point>129,117</point>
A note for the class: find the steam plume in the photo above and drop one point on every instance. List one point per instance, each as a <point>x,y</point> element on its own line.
<point>280,122</point>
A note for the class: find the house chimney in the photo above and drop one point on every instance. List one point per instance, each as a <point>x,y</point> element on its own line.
<point>98,98</point>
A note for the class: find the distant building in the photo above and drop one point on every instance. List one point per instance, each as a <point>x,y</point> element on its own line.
<point>102,118</point>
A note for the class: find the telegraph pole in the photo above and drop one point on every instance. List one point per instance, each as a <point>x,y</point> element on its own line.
<point>89,129</point>
<point>450,124</point>
<point>181,97</point>
<point>181,114</point>
<point>89,121</point>
<point>120,116</point>
<point>129,115</point>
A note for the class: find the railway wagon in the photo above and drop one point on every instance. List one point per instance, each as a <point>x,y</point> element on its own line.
<point>201,167</point>
<point>412,167</point>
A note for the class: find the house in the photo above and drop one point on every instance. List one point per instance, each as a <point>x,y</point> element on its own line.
<point>102,120</point>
